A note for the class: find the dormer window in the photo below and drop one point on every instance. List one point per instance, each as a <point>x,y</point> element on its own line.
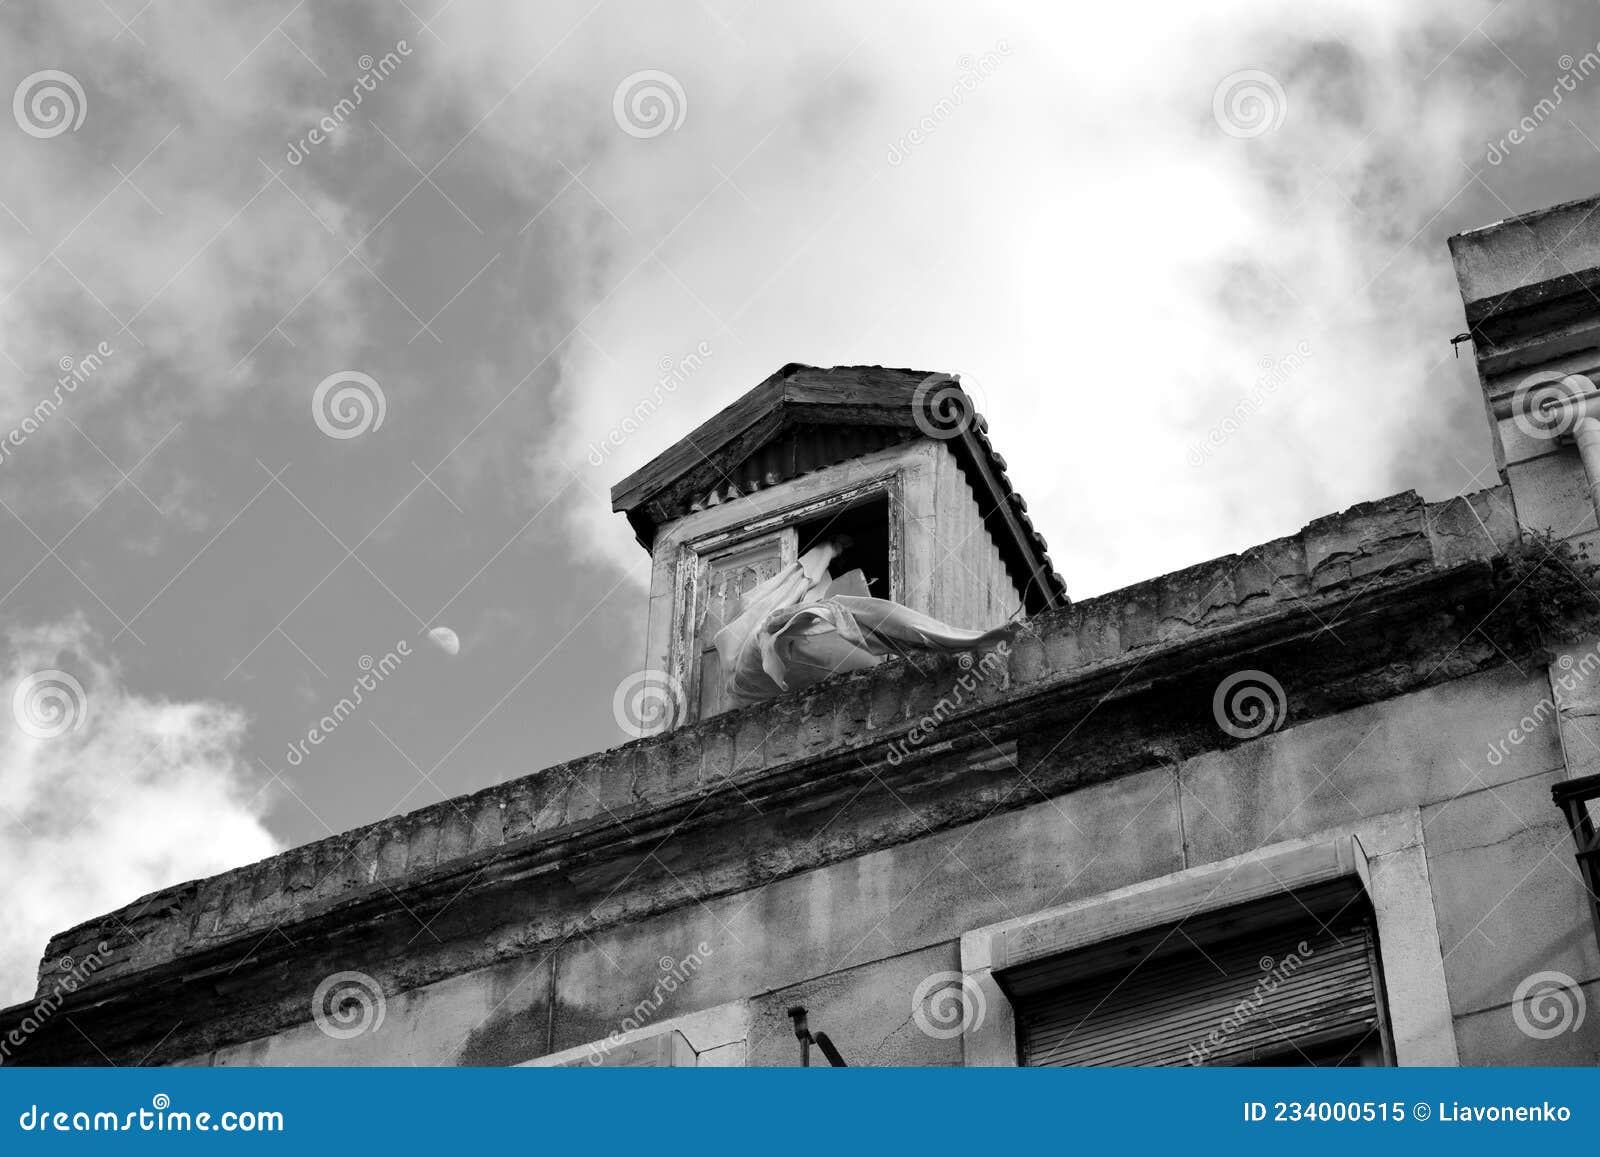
<point>721,569</point>
<point>810,455</point>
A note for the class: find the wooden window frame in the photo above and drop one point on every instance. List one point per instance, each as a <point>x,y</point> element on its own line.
<point>696,555</point>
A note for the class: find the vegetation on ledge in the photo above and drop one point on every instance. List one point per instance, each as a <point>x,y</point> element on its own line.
<point>1550,592</point>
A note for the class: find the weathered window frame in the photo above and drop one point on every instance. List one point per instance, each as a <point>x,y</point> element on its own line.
<point>695,556</point>
<point>1386,852</point>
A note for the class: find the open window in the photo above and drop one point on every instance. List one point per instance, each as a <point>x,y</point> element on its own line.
<point>724,574</point>
<point>866,524</point>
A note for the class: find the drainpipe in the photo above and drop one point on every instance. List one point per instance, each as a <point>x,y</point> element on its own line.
<point>808,1038</point>
<point>1587,435</point>
<point>1549,405</point>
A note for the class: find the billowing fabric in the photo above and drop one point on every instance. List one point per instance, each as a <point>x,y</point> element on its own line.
<point>802,625</point>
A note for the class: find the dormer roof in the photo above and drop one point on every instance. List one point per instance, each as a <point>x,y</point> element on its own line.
<point>804,418</point>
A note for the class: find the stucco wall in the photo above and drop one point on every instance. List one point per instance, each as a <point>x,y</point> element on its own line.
<point>852,940</point>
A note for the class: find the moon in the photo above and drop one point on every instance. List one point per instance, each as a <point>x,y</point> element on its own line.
<point>446,640</point>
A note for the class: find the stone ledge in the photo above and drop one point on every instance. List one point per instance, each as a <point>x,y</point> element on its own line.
<point>521,903</point>
<point>1330,567</point>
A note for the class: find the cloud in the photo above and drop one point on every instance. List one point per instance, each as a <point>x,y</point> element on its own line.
<point>1080,234</point>
<point>105,794</point>
<point>169,229</point>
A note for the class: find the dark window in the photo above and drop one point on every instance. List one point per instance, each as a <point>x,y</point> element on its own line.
<point>867,525</point>
<point>1579,800</point>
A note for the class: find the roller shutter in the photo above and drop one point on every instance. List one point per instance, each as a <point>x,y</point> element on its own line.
<point>1276,984</point>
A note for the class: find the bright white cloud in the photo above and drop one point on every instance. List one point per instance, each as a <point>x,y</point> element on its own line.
<point>1080,236</point>
<point>108,795</point>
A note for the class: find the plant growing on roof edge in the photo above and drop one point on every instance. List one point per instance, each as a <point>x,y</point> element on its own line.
<point>1549,591</point>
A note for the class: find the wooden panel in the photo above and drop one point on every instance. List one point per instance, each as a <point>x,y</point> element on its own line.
<point>851,395</point>
<point>726,578</point>
<point>970,585</point>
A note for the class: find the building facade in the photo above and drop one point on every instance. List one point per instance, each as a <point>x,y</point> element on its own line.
<point>1329,801</point>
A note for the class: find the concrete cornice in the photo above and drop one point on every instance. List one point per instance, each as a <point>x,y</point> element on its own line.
<point>1358,607</point>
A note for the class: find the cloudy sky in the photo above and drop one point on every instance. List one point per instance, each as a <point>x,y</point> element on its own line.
<point>1121,226</point>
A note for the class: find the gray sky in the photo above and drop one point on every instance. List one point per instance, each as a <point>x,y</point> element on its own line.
<point>1120,259</point>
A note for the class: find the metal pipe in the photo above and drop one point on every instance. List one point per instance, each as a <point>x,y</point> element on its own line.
<point>803,1032</point>
<point>1552,405</point>
<point>1587,435</point>
<point>807,1038</point>
<point>829,1051</point>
